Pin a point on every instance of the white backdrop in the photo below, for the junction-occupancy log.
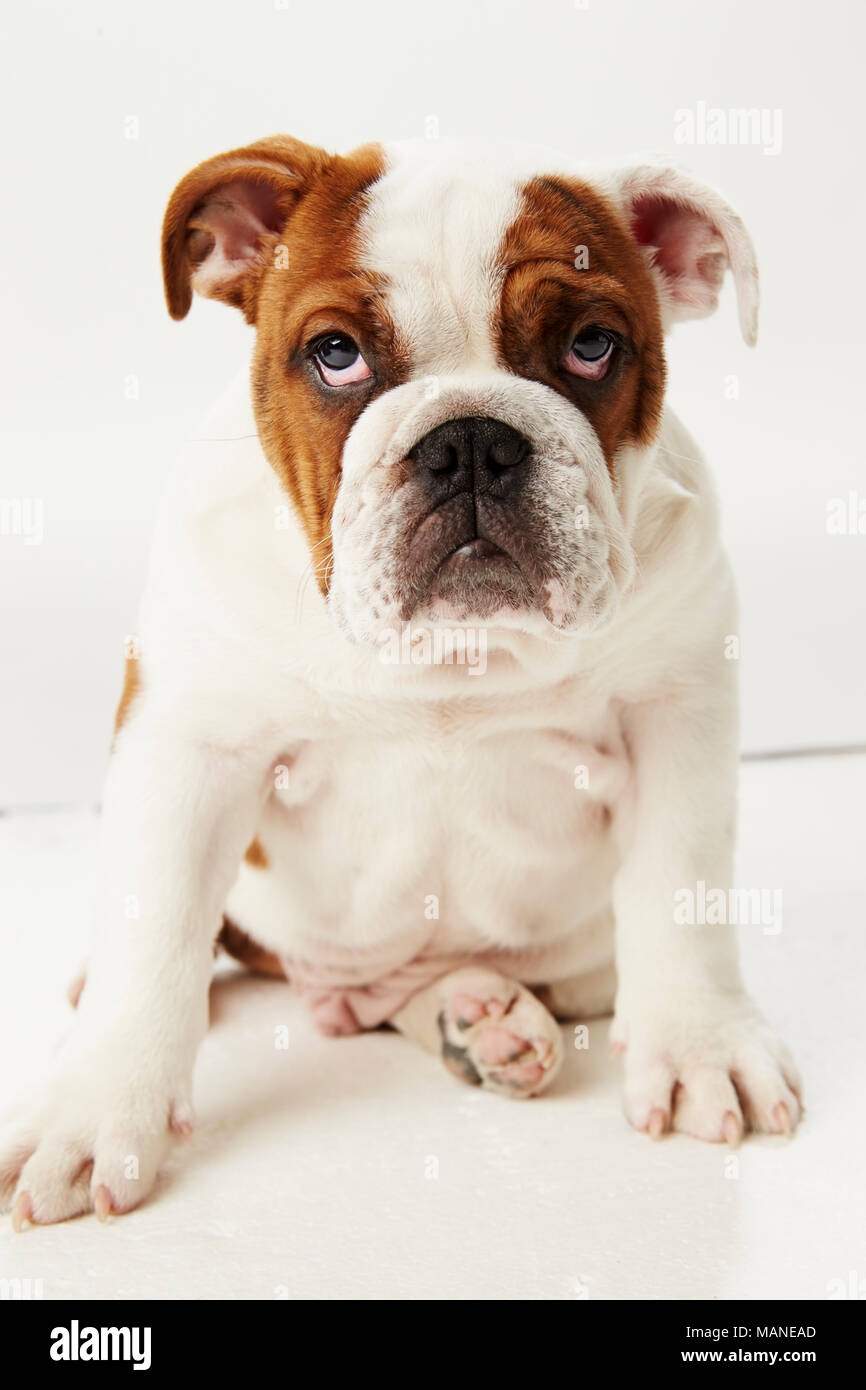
(108, 102)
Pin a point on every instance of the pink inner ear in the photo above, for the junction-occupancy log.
(689, 250)
(226, 233)
(690, 236)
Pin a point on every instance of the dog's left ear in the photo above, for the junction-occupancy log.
(690, 237)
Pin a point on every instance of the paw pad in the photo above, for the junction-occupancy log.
(500, 1036)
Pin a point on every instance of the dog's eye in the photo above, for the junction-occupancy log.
(339, 360)
(590, 355)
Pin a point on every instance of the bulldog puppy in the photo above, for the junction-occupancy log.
(430, 709)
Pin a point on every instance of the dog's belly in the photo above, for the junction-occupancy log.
(378, 853)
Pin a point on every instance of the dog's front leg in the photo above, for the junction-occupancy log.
(176, 818)
(698, 1055)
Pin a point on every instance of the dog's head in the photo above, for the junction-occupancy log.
(454, 353)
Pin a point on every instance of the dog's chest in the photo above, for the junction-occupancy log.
(439, 825)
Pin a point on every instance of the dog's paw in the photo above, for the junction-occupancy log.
(712, 1068)
(86, 1141)
(496, 1034)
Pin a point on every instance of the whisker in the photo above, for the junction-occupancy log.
(232, 439)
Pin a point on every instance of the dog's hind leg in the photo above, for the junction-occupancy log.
(582, 996)
(489, 1030)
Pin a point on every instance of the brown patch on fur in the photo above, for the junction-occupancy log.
(303, 424)
(131, 687)
(236, 943)
(546, 301)
(256, 855)
(315, 285)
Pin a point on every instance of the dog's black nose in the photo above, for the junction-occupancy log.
(472, 454)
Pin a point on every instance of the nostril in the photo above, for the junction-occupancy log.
(447, 461)
(507, 453)
(438, 455)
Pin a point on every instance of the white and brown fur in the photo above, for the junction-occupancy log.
(298, 528)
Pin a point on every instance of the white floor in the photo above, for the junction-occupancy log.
(357, 1168)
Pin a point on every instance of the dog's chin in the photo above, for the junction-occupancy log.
(477, 582)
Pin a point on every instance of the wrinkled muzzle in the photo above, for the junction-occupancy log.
(481, 500)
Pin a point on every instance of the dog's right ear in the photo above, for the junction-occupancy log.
(223, 219)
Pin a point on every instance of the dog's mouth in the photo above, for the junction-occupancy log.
(478, 551)
(465, 556)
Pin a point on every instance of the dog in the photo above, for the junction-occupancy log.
(431, 710)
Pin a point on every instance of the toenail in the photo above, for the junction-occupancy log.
(22, 1212)
(656, 1124)
(180, 1123)
(102, 1202)
(782, 1118)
